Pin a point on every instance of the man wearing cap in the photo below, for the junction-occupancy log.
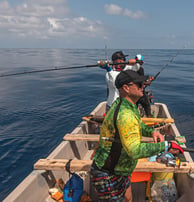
(120, 144)
(117, 57)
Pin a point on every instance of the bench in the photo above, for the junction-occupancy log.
(99, 119)
(84, 165)
(95, 138)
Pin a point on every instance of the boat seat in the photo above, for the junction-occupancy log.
(98, 119)
(95, 138)
(84, 165)
(81, 137)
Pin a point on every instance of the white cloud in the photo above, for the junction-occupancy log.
(54, 24)
(113, 9)
(4, 5)
(43, 8)
(75, 27)
(134, 15)
(45, 19)
(5, 8)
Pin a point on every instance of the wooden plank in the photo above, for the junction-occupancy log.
(84, 165)
(157, 120)
(145, 120)
(81, 137)
(180, 139)
(88, 120)
(95, 138)
(59, 164)
(185, 167)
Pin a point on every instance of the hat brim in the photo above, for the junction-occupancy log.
(128, 76)
(141, 79)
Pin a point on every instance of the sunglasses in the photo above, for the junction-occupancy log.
(120, 58)
(139, 84)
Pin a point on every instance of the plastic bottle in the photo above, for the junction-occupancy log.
(173, 190)
(165, 192)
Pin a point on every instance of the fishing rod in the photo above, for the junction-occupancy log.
(168, 62)
(53, 69)
(46, 70)
(106, 49)
(186, 149)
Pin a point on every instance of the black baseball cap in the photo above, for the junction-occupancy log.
(118, 55)
(125, 77)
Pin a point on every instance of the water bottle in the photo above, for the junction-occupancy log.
(173, 190)
(165, 192)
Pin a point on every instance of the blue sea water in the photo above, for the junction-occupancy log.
(38, 109)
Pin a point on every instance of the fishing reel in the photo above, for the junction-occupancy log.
(148, 99)
(149, 94)
(168, 159)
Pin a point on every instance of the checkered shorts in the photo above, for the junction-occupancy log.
(109, 187)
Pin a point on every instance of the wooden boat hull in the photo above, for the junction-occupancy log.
(36, 185)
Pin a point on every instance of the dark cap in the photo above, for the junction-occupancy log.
(125, 77)
(118, 55)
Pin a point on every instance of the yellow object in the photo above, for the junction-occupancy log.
(151, 123)
(163, 176)
(178, 162)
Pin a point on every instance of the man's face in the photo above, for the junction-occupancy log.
(135, 89)
(119, 67)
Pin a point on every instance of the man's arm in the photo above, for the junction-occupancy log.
(146, 130)
(130, 135)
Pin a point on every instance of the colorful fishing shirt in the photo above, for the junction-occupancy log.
(131, 129)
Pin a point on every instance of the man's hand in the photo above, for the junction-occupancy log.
(174, 148)
(151, 78)
(156, 135)
(148, 82)
(104, 64)
(132, 61)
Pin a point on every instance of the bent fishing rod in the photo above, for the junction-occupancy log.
(53, 69)
(46, 70)
(168, 63)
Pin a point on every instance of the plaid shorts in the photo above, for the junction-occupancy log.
(109, 187)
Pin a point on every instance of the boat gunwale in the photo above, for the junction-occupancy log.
(35, 174)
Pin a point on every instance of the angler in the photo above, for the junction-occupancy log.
(133, 64)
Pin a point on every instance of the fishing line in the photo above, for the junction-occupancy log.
(169, 62)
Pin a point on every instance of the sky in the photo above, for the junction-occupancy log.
(127, 24)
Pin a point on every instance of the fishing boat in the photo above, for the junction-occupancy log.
(80, 144)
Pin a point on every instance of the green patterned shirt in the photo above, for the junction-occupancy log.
(131, 129)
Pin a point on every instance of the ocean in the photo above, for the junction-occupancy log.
(38, 109)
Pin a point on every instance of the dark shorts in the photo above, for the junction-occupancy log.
(109, 187)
